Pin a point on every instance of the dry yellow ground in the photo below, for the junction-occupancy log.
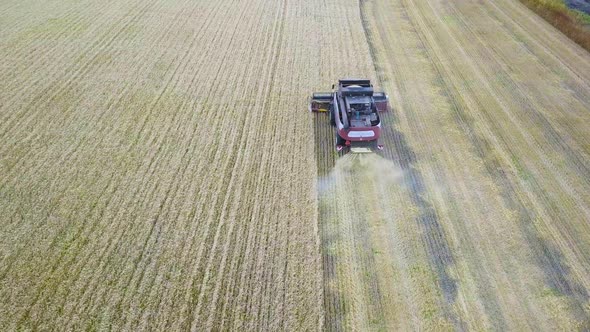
(487, 226)
(156, 161)
(158, 167)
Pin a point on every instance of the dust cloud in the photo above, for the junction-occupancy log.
(361, 204)
(364, 168)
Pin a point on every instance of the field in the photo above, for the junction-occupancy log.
(569, 16)
(149, 176)
(159, 169)
(476, 216)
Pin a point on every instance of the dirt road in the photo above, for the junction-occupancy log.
(489, 226)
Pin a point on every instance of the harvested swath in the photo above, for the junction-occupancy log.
(376, 271)
(490, 131)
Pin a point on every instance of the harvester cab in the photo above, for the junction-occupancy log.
(353, 107)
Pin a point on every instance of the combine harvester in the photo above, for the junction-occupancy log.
(354, 110)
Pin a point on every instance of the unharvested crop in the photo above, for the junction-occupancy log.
(154, 166)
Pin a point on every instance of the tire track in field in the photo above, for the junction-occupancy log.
(269, 231)
(148, 256)
(439, 252)
(235, 176)
(577, 158)
(530, 107)
(194, 134)
(227, 88)
(233, 168)
(455, 81)
(549, 258)
(170, 193)
(532, 26)
(433, 237)
(274, 61)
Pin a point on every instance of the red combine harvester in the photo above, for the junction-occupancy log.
(354, 110)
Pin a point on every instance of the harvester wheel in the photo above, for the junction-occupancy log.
(340, 140)
(332, 117)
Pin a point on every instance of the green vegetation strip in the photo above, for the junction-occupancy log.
(573, 23)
